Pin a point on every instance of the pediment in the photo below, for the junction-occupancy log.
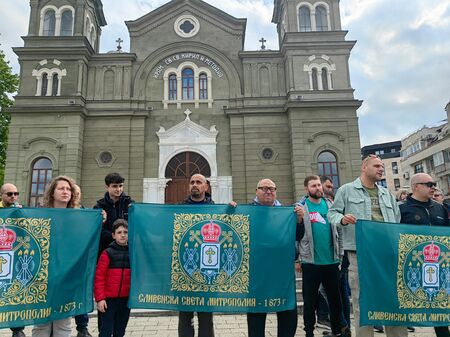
(175, 8)
(187, 132)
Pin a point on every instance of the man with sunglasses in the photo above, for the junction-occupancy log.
(9, 197)
(364, 199)
(421, 209)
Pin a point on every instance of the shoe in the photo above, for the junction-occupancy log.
(19, 333)
(324, 323)
(378, 328)
(83, 333)
(411, 329)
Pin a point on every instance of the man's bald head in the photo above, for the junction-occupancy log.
(8, 194)
(422, 187)
(198, 186)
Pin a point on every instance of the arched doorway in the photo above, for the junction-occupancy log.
(179, 169)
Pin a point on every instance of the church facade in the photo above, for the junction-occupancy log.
(186, 98)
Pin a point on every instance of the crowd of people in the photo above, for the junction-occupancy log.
(325, 242)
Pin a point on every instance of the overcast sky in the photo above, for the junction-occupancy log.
(400, 66)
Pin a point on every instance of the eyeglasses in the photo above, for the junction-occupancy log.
(428, 184)
(10, 194)
(266, 189)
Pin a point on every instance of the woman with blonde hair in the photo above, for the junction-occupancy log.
(60, 193)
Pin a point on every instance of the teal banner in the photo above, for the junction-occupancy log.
(404, 274)
(47, 263)
(212, 257)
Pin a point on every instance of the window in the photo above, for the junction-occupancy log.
(172, 87)
(418, 168)
(49, 23)
(327, 166)
(315, 84)
(324, 79)
(55, 85)
(438, 159)
(44, 84)
(203, 85)
(66, 23)
(378, 152)
(305, 19)
(394, 167)
(321, 19)
(397, 183)
(188, 83)
(40, 177)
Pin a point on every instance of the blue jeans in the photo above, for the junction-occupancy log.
(82, 321)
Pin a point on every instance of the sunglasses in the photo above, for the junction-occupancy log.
(266, 189)
(428, 184)
(371, 156)
(10, 194)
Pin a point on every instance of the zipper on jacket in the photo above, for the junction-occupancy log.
(121, 278)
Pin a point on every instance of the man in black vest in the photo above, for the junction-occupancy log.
(421, 209)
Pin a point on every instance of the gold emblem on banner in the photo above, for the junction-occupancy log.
(211, 253)
(423, 274)
(24, 259)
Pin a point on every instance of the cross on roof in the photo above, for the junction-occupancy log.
(262, 43)
(119, 41)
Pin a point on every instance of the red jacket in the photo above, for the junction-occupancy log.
(113, 274)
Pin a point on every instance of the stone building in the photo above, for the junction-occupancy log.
(186, 98)
(428, 150)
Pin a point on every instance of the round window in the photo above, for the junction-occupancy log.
(106, 157)
(267, 153)
(186, 26)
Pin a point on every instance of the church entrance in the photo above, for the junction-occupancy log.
(179, 169)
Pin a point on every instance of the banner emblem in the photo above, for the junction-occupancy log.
(423, 277)
(210, 254)
(24, 253)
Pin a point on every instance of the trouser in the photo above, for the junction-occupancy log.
(287, 323)
(322, 305)
(82, 321)
(115, 318)
(59, 328)
(313, 275)
(366, 331)
(345, 298)
(186, 324)
(442, 331)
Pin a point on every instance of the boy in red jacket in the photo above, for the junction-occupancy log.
(112, 283)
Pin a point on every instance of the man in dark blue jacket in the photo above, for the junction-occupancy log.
(421, 209)
(198, 195)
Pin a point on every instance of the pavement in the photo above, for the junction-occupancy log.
(142, 325)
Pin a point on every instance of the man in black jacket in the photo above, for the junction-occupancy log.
(198, 195)
(421, 209)
(114, 204)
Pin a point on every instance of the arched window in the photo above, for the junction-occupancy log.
(49, 23)
(66, 23)
(55, 84)
(172, 87)
(187, 77)
(321, 19)
(325, 79)
(203, 85)
(40, 177)
(314, 79)
(44, 84)
(305, 19)
(327, 166)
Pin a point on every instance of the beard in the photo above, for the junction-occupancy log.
(316, 195)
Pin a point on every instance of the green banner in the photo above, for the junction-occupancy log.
(212, 257)
(404, 274)
(47, 263)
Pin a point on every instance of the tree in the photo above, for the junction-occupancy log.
(8, 85)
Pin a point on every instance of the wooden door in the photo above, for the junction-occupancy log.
(180, 169)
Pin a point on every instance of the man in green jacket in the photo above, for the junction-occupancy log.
(364, 199)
